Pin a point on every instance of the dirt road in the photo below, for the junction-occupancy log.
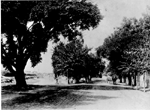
(94, 96)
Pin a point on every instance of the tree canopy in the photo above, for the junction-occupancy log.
(48, 20)
(128, 48)
(74, 61)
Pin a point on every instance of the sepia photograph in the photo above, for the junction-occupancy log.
(75, 55)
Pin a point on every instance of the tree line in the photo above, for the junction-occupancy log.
(128, 49)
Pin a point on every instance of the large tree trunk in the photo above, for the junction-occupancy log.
(77, 80)
(130, 80)
(20, 75)
(120, 78)
(68, 80)
(135, 80)
(90, 78)
(114, 78)
(100, 75)
(124, 79)
(20, 79)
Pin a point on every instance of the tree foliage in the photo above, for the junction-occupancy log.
(128, 48)
(48, 20)
(74, 61)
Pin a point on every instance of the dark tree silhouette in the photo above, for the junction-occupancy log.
(74, 61)
(69, 59)
(48, 19)
(128, 48)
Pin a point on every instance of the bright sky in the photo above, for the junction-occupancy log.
(113, 11)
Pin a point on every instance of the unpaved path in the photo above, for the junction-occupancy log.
(96, 96)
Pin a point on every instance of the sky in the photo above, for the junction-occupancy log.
(113, 11)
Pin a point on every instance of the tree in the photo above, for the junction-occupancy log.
(49, 19)
(128, 48)
(74, 61)
(95, 65)
(68, 59)
(136, 56)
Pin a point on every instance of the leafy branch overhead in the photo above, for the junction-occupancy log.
(27, 26)
(49, 20)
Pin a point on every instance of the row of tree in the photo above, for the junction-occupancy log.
(128, 49)
(75, 61)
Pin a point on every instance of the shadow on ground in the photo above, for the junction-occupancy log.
(142, 89)
(56, 96)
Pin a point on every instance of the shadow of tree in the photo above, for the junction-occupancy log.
(51, 96)
(54, 96)
(142, 89)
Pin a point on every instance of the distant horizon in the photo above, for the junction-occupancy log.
(28, 71)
